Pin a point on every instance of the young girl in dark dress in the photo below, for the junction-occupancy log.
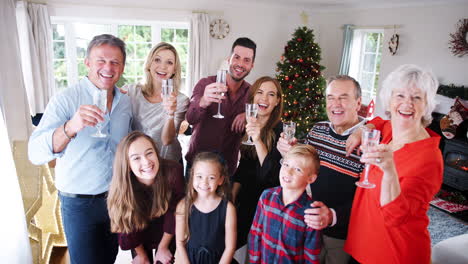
(205, 218)
(143, 195)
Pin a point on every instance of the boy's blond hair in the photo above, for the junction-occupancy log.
(308, 152)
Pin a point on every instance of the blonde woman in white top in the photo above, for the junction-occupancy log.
(159, 117)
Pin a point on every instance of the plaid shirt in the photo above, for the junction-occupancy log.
(279, 234)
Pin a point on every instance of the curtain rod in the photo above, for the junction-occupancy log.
(377, 27)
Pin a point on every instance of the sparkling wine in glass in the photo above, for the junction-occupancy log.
(370, 138)
(289, 130)
(220, 78)
(251, 110)
(167, 88)
(100, 100)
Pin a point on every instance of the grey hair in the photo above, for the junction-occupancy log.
(357, 86)
(407, 76)
(109, 40)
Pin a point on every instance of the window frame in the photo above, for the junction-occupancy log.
(358, 52)
(71, 44)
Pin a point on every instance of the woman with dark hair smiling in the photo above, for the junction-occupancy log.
(259, 164)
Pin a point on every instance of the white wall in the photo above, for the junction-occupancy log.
(424, 37)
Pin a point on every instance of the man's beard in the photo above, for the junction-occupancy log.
(231, 70)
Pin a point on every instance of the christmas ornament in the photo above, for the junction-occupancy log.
(286, 78)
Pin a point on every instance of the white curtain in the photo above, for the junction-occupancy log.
(347, 45)
(14, 241)
(199, 49)
(13, 102)
(35, 35)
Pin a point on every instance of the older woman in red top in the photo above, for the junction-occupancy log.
(389, 222)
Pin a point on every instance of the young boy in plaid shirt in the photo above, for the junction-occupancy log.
(278, 233)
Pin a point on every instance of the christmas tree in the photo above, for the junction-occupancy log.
(300, 76)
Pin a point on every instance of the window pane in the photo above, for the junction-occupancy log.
(82, 69)
(58, 32)
(81, 46)
(142, 50)
(61, 84)
(371, 42)
(130, 49)
(376, 84)
(60, 69)
(131, 68)
(125, 32)
(140, 71)
(181, 35)
(167, 34)
(369, 63)
(143, 33)
(59, 50)
(367, 83)
(86, 32)
(182, 51)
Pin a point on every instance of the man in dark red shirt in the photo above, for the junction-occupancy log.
(222, 135)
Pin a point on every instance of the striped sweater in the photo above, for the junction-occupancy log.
(335, 184)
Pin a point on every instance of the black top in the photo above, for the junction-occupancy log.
(207, 231)
(254, 179)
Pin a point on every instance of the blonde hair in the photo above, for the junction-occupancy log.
(147, 88)
(267, 134)
(128, 212)
(224, 190)
(308, 152)
(407, 76)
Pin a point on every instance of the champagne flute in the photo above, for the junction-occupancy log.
(100, 100)
(167, 88)
(370, 138)
(220, 78)
(289, 129)
(251, 110)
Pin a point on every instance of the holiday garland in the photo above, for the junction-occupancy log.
(458, 44)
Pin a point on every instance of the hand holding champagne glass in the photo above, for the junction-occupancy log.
(370, 138)
(251, 110)
(289, 129)
(100, 100)
(220, 78)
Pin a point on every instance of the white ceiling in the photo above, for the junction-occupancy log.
(217, 4)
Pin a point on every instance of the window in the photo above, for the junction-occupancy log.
(71, 40)
(366, 55)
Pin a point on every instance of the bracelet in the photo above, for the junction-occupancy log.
(65, 131)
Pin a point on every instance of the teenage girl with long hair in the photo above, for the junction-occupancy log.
(206, 219)
(143, 195)
(259, 165)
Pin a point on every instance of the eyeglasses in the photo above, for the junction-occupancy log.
(286, 165)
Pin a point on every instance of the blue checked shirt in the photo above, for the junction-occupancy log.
(85, 165)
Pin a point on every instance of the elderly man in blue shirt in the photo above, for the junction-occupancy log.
(84, 163)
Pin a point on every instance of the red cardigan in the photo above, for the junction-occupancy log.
(397, 232)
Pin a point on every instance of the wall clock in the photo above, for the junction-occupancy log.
(219, 29)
